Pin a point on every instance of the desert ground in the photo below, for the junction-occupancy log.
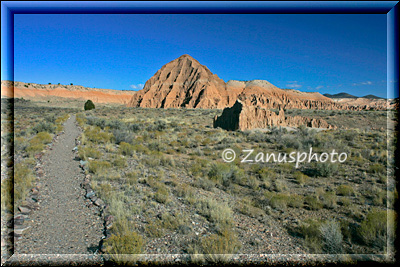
(151, 181)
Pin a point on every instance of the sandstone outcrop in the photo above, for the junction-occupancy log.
(245, 117)
(42, 92)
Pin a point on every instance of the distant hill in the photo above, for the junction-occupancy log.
(346, 95)
(340, 95)
(372, 97)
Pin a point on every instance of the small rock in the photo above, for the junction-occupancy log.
(89, 194)
(19, 231)
(99, 202)
(24, 210)
(34, 191)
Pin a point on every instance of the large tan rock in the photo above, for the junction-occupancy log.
(245, 117)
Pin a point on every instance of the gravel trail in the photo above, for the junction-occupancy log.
(64, 224)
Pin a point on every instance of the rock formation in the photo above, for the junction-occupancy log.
(245, 117)
(43, 92)
(184, 82)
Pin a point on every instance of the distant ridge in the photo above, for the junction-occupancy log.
(340, 95)
(372, 97)
(346, 95)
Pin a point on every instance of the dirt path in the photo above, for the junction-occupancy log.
(63, 224)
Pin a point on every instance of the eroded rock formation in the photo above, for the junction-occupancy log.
(245, 117)
(184, 82)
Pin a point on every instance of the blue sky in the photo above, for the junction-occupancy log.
(324, 53)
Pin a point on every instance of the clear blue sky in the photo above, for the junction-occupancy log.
(324, 53)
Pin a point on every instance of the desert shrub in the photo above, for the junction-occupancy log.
(89, 105)
(295, 201)
(173, 221)
(373, 229)
(204, 183)
(325, 169)
(36, 144)
(377, 168)
(99, 166)
(128, 242)
(265, 173)
(225, 243)
(301, 178)
(154, 228)
(120, 162)
(332, 237)
(116, 124)
(126, 149)
(329, 200)
(162, 194)
(95, 135)
(131, 177)
(23, 181)
(219, 213)
(43, 137)
(345, 190)
(247, 209)
(44, 126)
(279, 201)
(313, 203)
(122, 136)
(219, 172)
(135, 127)
(310, 230)
(88, 152)
(80, 119)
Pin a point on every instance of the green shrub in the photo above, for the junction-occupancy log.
(44, 127)
(219, 213)
(325, 169)
(126, 149)
(310, 230)
(345, 190)
(377, 168)
(43, 137)
(99, 166)
(120, 162)
(89, 151)
(301, 178)
(313, 203)
(23, 181)
(279, 201)
(373, 229)
(219, 172)
(154, 229)
(162, 194)
(89, 105)
(226, 243)
(329, 200)
(128, 242)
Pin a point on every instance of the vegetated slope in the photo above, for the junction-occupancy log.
(40, 92)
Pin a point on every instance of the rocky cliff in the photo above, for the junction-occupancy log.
(245, 117)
